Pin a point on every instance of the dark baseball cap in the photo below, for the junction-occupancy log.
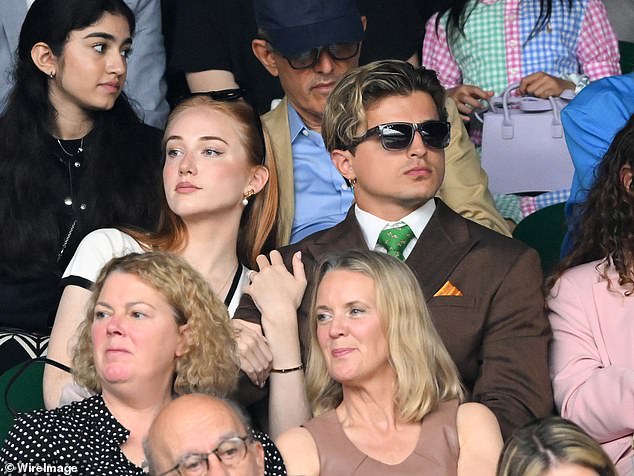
(296, 26)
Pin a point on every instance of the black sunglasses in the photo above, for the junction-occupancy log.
(235, 94)
(338, 51)
(400, 135)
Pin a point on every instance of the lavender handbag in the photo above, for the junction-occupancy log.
(523, 145)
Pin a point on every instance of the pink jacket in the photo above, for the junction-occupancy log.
(592, 358)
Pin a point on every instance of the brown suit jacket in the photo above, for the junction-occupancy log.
(496, 331)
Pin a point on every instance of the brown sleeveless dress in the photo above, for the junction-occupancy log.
(436, 453)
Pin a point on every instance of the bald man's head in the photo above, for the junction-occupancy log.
(195, 425)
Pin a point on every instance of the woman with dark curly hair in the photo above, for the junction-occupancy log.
(74, 156)
(152, 330)
(591, 309)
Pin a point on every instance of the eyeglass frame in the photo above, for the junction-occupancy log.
(204, 457)
(234, 94)
(317, 56)
(415, 127)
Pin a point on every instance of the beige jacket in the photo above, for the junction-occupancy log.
(464, 188)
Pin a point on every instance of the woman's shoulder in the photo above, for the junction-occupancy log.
(479, 437)
(473, 412)
(475, 420)
(586, 273)
(294, 439)
(50, 424)
(74, 433)
(112, 236)
(299, 451)
(96, 249)
(104, 244)
(74, 412)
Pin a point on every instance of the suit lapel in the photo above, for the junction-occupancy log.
(276, 123)
(440, 248)
(343, 236)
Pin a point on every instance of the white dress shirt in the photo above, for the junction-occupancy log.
(372, 226)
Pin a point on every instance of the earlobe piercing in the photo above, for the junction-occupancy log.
(245, 200)
(51, 75)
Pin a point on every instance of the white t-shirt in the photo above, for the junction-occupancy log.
(100, 246)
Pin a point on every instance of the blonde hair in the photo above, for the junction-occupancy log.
(546, 443)
(425, 373)
(257, 233)
(359, 89)
(210, 364)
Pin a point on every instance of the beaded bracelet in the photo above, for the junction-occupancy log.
(285, 371)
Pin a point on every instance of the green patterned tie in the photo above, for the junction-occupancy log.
(395, 240)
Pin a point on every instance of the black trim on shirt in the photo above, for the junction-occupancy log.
(234, 286)
(77, 281)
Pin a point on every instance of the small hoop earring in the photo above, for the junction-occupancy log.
(246, 196)
(51, 75)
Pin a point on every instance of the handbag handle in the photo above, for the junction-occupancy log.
(556, 129)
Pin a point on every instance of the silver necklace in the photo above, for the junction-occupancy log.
(70, 232)
(231, 275)
(79, 149)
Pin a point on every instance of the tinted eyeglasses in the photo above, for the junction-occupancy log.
(236, 94)
(338, 51)
(400, 135)
(229, 452)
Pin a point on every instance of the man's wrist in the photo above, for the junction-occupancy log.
(579, 81)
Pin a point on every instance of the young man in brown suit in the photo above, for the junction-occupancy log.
(385, 128)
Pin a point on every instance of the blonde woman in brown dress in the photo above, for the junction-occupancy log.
(385, 393)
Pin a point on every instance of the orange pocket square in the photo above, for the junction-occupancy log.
(448, 289)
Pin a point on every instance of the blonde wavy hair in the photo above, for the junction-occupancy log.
(425, 373)
(543, 444)
(359, 89)
(210, 365)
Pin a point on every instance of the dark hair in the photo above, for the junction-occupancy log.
(121, 170)
(360, 88)
(458, 15)
(606, 226)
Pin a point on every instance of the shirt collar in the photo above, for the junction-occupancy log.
(371, 225)
(295, 122)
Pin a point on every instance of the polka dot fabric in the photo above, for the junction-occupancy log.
(83, 434)
(273, 462)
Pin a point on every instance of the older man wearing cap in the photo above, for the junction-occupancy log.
(309, 45)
